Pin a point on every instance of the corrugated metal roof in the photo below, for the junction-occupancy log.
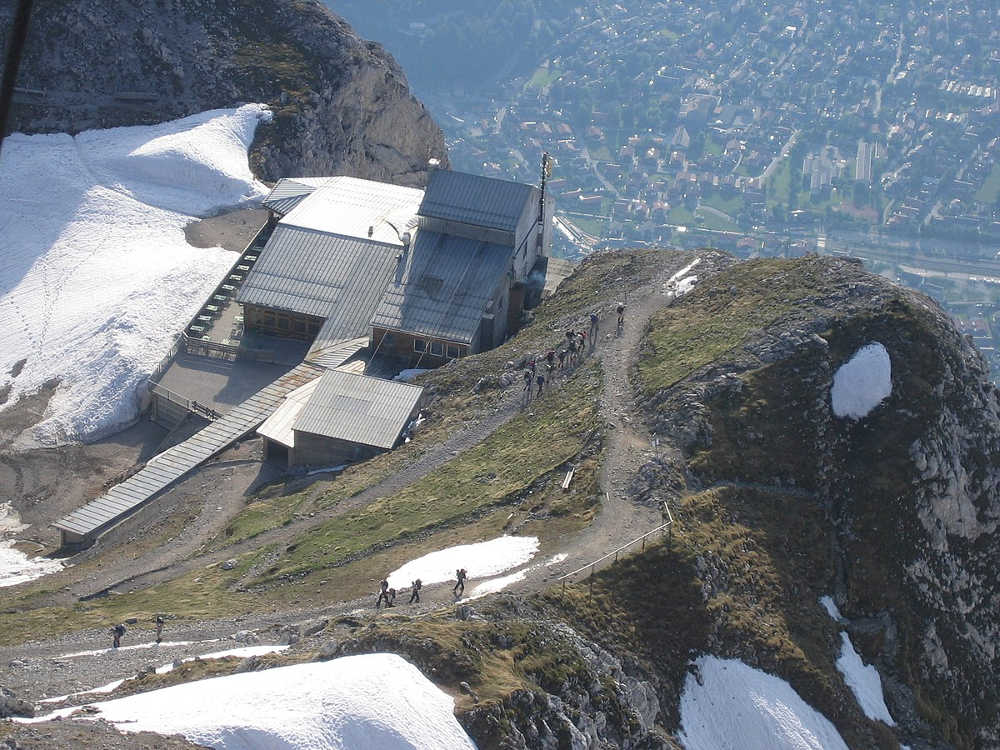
(444, 288)
(359, 409)
(278, 426)
(289, 192)
(474, 199)
(312, 273)
(349, 206)
(332, 352)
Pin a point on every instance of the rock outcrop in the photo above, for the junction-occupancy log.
(902, 504)
(342, 105)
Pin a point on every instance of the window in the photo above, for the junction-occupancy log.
(453, 352)
(419, 345)
(437, 348)
(283, 324)
(300, 326)
(314, 328)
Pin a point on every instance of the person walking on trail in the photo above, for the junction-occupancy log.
(527, 386)
(392, 598)
(594, 321)
(621, 316)
(533, 364)
(415, 591)
(550, 358)
(562, 357)
(582, 343)
(383, 595)
(159, 628)
(540, 379)
(572, 350)
(461, 574)
(116, 635)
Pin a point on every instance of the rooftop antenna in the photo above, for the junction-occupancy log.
(546, 173)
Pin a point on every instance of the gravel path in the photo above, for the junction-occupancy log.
(41, 668)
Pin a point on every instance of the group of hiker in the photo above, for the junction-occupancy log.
(387, 594)
(118, 631)
(568, 354)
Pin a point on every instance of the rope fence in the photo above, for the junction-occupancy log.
(591, 566)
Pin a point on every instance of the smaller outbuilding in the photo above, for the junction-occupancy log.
(339, 418)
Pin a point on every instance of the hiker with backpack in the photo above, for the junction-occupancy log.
(415, 591)
(621, 315)
(159, 628)
(594, 321)
(383, 595)
(461, 574)
(116, 634)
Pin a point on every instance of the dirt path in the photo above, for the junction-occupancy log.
(619, 520)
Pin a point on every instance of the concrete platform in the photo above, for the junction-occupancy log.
(218, 384)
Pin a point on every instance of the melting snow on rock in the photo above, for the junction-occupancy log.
(830, 606)
(97, 277)
(862, 383)
(372, 702)
(16, 567)
(734, 706)
(864, 681)
(480, 560)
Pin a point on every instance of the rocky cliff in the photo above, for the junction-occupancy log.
(341, 104)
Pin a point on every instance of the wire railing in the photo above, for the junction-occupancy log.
(592, 566)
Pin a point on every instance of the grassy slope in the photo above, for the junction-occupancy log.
(360, 547)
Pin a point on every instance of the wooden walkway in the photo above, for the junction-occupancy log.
(82, 526)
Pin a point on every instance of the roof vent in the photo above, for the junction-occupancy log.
(371, 230)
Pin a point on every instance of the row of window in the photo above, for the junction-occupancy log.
(436, 348)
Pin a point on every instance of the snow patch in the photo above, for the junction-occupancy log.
(16, 567)
(556, 559)
(480, 560)
(410, 373)
(370, 701)
(830, 606)
(150, 644)
(732, 706)
(10, 521)
(677, 285)
(97, 277)
(862, 383)
(864, 681)
(496, 584)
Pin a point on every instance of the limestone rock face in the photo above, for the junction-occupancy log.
(342, 105)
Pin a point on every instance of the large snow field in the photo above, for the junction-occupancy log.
(863, 382)
(16, 567)
(734, 707)
(864, 681)
(369, 702)
(480, 560)
(96, 277)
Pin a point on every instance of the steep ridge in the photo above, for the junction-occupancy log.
(779, 501)
(341, 104)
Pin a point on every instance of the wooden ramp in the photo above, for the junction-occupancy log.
(84, 525)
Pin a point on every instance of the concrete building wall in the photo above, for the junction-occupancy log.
(469, 231)
(402, 346)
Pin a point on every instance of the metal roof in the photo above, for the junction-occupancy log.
(350, 206)
(167, 467)
(289, 192)
(444, 288)
(329, 350)
(327, 276)
(359, 409)
(278, 426)
(474, 199)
